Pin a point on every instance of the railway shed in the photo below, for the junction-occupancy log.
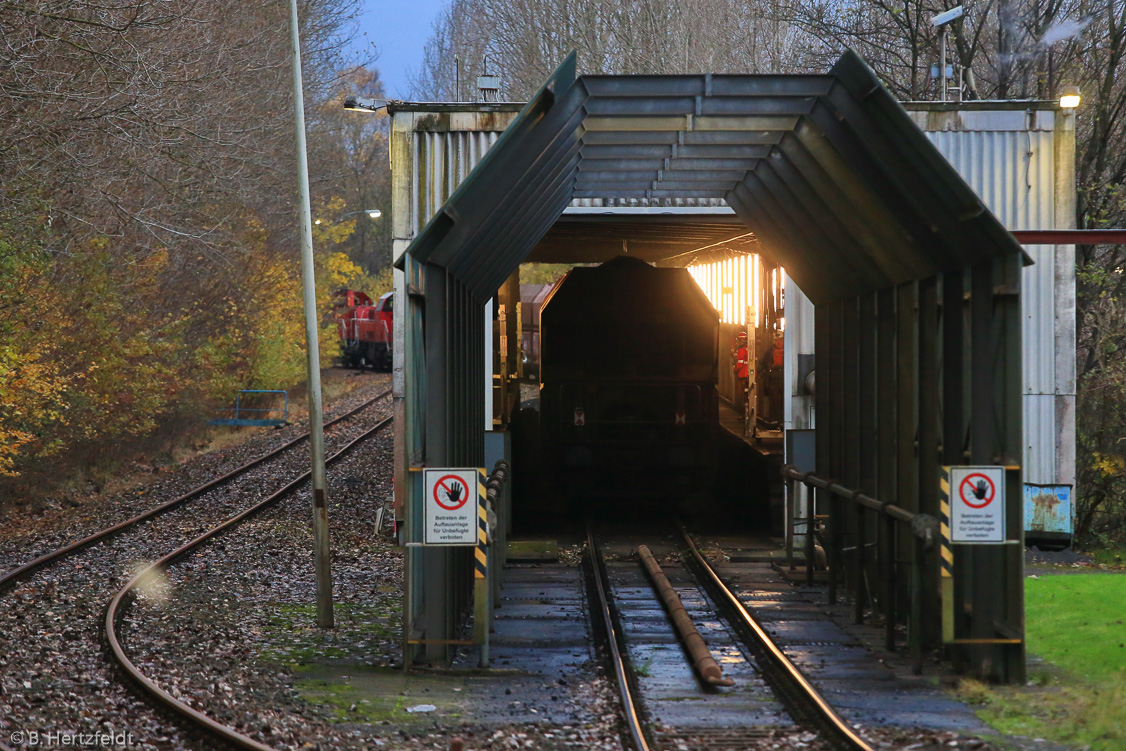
(916, 287)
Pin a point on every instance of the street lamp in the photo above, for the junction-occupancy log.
(373, 213)
(941, 21)
(322, 555)
(364, 105)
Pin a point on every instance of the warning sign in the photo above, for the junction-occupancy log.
(452, 498)
(977, 504)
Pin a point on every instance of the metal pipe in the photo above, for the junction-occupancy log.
(322, 556)
(702, 660)
(888, 509)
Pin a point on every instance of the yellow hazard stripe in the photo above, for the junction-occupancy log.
(946, 553)
(481, 563)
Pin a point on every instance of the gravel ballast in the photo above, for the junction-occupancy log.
(54, 677)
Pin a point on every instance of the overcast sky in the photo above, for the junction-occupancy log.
(399, 30)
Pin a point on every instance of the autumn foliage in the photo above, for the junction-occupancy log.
(148, 243)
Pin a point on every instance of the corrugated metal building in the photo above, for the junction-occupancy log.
(1019, 157)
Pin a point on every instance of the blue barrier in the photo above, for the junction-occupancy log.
(240, 410)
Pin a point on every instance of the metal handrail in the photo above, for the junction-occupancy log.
(924, 527)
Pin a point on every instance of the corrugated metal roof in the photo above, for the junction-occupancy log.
(828, 170)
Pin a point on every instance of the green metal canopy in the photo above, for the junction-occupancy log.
(828, 171)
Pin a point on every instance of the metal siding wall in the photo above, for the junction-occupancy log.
(440, 162)
(427, 168)
(1015, 173)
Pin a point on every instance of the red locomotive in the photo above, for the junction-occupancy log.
(365, 329)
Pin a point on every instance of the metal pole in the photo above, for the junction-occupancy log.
(791, 500)
(942, 61)
(322, 555)
(810, 521)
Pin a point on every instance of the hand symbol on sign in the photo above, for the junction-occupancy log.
(454, 492)
(980, 489)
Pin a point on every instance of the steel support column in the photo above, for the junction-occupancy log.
(887, 384)
(849, 470)
(930, 404)
(907, 404)
(435, 561)
(867, 447)
(834, 416)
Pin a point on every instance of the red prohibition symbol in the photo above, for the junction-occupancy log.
(450, 492)
(977, 490)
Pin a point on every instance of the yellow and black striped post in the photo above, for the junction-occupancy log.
(946, 556)
(481, 598)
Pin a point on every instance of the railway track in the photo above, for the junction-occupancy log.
(124, 597)
(25, 570)
(652, 730)
(56, 616)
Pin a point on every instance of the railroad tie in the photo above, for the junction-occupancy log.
(702, 660)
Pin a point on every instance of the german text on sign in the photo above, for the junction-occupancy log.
(451, 506)
(977, 504)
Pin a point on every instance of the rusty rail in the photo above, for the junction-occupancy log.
(925, 529)
(22, 572)
(796, 691)
(125, 597)
(601, 585)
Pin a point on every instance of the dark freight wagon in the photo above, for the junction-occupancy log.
(628, 404)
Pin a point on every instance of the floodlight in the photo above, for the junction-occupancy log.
(944, 18)
(364, 105)
(1069, 97)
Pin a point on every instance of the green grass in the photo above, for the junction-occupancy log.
(296, 640)
(1077, 624)
(376, 695)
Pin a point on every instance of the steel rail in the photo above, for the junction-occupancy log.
(22, 572)
(841, 734)
(633, 720)
(124, 596)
